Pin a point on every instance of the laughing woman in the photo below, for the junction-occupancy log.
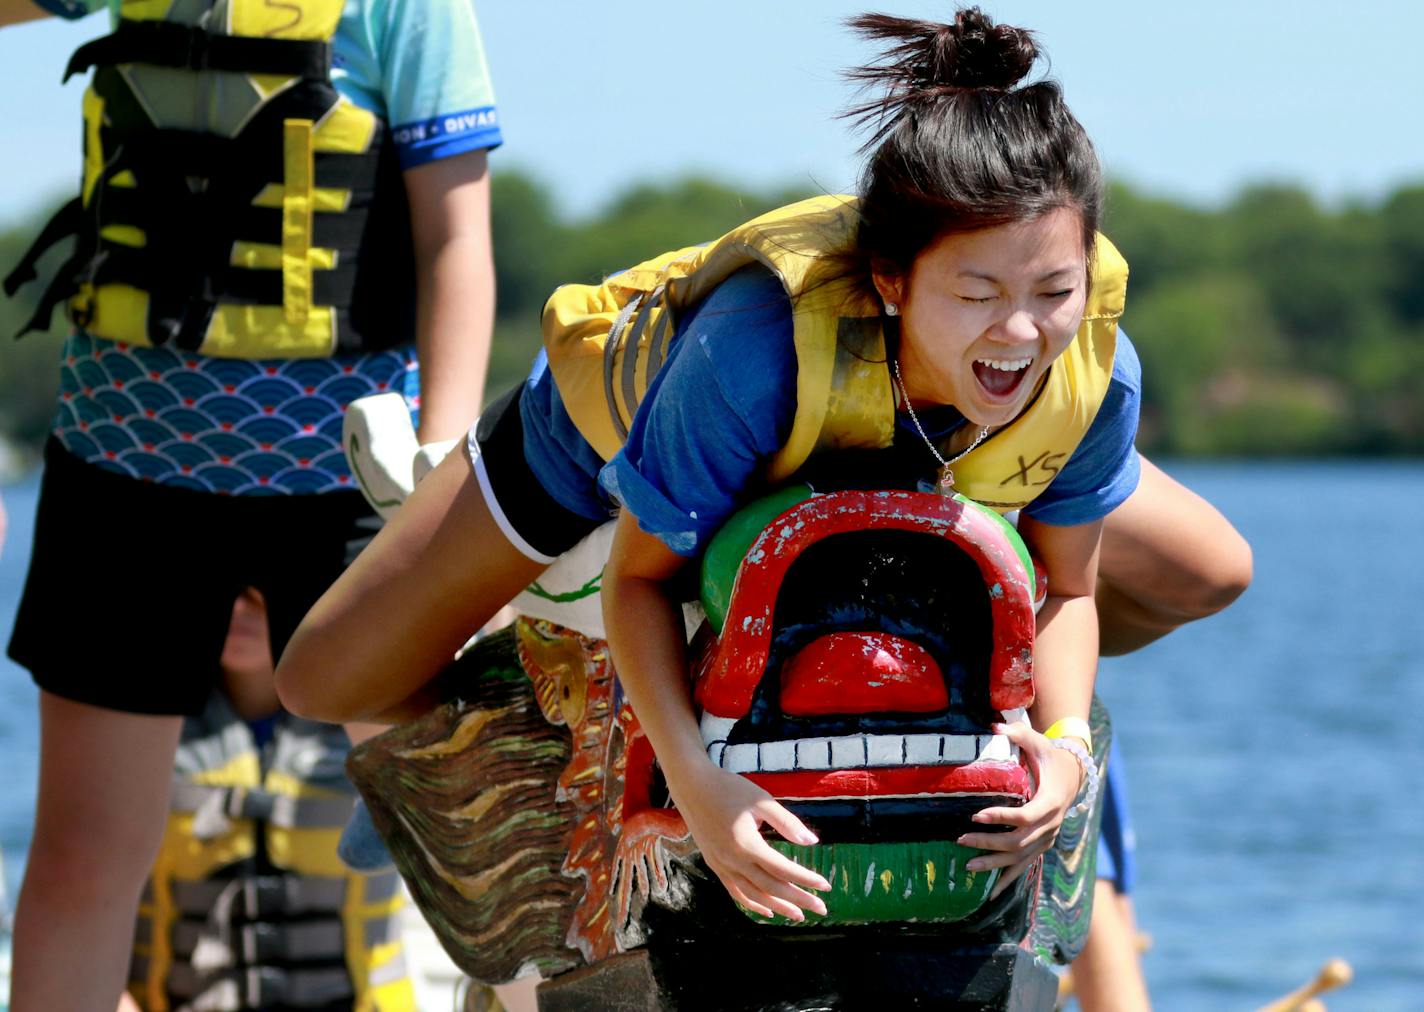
(955, 324)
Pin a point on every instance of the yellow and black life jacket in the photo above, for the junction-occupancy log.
(233, 202)
(606, 342)
(248, 906)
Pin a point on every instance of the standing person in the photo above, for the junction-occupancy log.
(284, 207)
(247, 905)
(957, 320)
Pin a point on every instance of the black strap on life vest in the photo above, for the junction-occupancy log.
(257, 943)
(168, 44)
(65, 223)
(261, 897)
(258, 987)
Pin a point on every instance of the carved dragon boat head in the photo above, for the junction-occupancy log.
(857, 649)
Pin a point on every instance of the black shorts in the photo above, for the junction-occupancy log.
(535, 522)
(132, 583)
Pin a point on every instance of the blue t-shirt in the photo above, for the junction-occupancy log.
(240, 426)
(720, 407)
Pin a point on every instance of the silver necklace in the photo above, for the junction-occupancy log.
(946, 473)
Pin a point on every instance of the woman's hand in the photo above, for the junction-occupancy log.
(1034, 825)
(725, 812)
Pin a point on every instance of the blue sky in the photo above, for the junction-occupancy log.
(1188, 100)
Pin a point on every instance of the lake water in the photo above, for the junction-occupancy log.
(1272, 750)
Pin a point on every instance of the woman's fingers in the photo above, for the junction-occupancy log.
(766, 880)
(1003, 858)
(726, 815)
(775, 863)
(779, 818)
(761, 901)
(1011, 875)
(1009, 843)
(1035, 824)
(778, 865)
(770, 885)
(740, 897)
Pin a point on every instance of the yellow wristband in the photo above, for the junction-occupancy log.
(1071, 727)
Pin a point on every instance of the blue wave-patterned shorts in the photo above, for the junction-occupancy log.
(229, 426)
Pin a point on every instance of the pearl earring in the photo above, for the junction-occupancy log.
(891, 309)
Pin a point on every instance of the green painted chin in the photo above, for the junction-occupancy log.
(874, 883)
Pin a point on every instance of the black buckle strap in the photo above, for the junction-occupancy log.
(76, 272)
(167, 44)
(66, 222)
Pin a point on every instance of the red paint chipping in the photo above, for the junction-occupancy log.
(729, 670)
(862, 672)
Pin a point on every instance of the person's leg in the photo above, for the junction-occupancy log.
(103, 803)
(117, 659)
(434, 574)
(1107, 975)
(1168, 558)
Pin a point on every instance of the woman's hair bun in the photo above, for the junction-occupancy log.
(960, 140)
(972, 52)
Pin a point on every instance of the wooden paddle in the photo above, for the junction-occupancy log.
(1335, 973)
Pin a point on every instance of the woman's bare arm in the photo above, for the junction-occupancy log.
(723, 810)
(450, 224)
(1065, 667)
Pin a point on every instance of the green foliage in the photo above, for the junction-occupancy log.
(1273, 325)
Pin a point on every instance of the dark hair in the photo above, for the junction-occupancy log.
(957, 144)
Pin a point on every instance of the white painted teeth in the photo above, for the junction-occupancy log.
(716, 728)
(856, 751)
(1005, 365)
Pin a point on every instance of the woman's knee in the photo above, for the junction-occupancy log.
(1227, 578)
(297, 690)
(1214, 579)
(1172, 553)
(1178, 593)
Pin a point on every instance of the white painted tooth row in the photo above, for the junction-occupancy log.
(720, 728)
(858, 751)
(716, 728)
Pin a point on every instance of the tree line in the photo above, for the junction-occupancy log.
(1272, 325)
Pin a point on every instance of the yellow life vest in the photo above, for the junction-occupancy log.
(248, 905)
(232, 199)
(606, 342)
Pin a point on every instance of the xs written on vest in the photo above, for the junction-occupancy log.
(233, 202)
(248, 906)
(606, 342)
